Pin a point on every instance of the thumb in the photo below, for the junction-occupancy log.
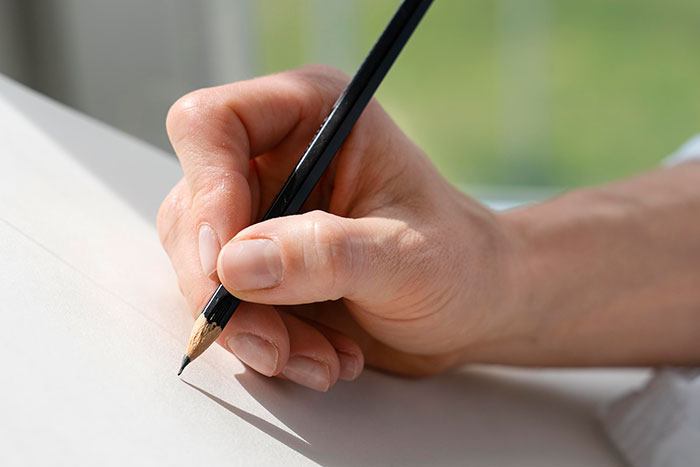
(313, 257)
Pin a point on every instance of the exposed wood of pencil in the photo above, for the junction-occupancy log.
(203, 335)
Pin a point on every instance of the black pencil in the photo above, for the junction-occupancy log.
(316, 158)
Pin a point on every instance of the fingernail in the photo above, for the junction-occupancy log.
(209, 247)
(259, 354)
(252, 264)
(349, 366)
(308, 372)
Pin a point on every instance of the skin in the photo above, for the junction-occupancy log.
(392, 267)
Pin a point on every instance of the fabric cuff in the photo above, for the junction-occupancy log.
(690, 151)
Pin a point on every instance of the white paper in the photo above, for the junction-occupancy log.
(93, 329)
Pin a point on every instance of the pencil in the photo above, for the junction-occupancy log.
(324, 145)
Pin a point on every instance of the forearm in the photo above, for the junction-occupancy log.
(611, 275)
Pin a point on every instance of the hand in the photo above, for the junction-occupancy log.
(389, 264)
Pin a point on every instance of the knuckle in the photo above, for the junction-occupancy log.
(186, 107)
(193, 112)
(325, 72)
(330, 256)
(322, 81)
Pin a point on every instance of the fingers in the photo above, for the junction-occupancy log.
(315, 257)
(211, 143)
(313, 361)
(216, 131)
(258, 336)
(276, 343)
(350, 356)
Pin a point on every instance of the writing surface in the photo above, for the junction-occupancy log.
(93, 327)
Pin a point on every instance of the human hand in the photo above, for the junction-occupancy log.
(389, 265)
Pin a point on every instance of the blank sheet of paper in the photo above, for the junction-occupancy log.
(93, 329)
(94, 324)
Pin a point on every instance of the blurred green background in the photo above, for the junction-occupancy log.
(543, 93)
(526, 92)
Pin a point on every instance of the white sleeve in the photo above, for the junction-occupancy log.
(659, 425)
(690, 151)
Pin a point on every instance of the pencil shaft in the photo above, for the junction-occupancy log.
(220, 307)
(347, 109)
(332, 133)
(325, 144)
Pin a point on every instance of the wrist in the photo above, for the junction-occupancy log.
(528, 291)
(605, 276)
(505, 286)
(568, 266)
(606, 273)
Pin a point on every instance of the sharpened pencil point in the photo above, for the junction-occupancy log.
(185, 362)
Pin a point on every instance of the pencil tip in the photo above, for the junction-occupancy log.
(185, 362)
